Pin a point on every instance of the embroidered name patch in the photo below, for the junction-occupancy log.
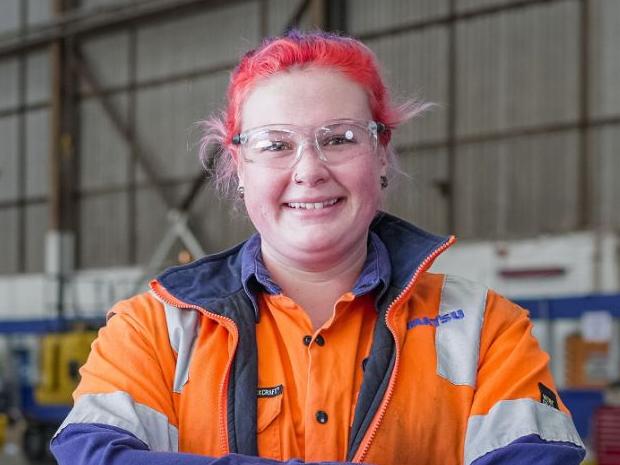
(438, 320)
(548, 397)
(269, 391)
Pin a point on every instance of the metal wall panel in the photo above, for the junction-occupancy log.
(518, 69)
(39, 11)
(9, 233)
(195, 42)
(371, 15)
(104, 155)
(165, 118)
(108, 56)
(605, 144)
(9, 171)
(416, 196)
(39, 76)
(218, 224)
(37, 153)
(37, 220)
(104, 230)
(9, 19)
(415, 65)
(8, 83)
(279, 13)
(605, 59)
(518, 187)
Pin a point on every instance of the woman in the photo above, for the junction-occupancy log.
(321, 338)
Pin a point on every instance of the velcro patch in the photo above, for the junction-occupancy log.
(548, 397)
(270, 391)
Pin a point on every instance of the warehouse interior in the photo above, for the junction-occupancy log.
(101, 187)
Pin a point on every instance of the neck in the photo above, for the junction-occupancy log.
(315, 286)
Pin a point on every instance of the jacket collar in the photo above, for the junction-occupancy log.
(209, 281)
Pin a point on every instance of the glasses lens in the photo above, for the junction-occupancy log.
(343, 141)
(271, 147)
(337, 142)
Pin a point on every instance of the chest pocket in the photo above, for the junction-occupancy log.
(268, 427)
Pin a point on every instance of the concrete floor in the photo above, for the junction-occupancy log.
(11, 452)
(14, 458)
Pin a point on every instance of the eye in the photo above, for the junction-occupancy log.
(340, 138)
(272, 146)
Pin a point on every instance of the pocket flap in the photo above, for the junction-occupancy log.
(268, 409)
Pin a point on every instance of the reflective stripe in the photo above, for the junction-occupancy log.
(509, 420)
(182, 331)
(119, 409)
(457, 341)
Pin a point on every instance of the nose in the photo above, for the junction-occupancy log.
(310, 168)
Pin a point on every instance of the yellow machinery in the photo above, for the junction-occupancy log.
(3, 424)
(62, 355)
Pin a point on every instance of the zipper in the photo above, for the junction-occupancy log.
(374, 427)
(162, 294)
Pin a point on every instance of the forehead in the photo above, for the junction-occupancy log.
(304, 97)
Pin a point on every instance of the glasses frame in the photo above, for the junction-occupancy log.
(374, 127)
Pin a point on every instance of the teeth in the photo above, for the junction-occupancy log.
(312, 205)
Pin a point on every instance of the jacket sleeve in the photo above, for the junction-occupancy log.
(107, 445)
(124, 409)
(516, 416)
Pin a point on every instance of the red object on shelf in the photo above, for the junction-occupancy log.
(607, 435)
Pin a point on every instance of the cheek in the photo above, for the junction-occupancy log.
(263, 191)
(366, 182)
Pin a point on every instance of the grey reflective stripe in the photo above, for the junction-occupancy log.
(119, 409)
(457, 337)
(182, 331)
(509, 420)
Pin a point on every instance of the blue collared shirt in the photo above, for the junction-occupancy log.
(375, 275)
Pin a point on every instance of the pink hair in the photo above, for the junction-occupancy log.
(298, 49)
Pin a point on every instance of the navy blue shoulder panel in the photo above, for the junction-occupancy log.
(208, 280)
(408, 246)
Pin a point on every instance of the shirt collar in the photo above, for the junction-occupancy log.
(375, 274)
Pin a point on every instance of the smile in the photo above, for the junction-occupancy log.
(312, 205)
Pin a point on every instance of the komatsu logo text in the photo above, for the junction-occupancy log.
(438, 320)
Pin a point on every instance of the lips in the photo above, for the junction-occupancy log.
(312, 205)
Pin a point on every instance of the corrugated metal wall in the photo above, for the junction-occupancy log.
(501, 155)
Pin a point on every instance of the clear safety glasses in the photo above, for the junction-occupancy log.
(281, 145)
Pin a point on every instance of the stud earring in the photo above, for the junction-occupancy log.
(384, 181)
(241, 192)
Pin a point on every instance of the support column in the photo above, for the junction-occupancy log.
(60, 239)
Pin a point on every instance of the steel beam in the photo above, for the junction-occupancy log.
(22, 79)
(336, 15)
(60, 249)
(452, 17)
(100, 20)
(84, 69)
(585, 185)
(512, 134)
(302, 8)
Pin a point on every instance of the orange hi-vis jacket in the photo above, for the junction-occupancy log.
(454, 375)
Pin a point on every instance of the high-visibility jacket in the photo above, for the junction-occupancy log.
(454, 375)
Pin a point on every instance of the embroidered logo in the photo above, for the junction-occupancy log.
(438, 320)
(548, 397)
(269, 391)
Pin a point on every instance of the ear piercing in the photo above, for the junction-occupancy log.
(384, 181)
(241, 192)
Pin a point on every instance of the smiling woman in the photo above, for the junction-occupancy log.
(322, 338)
(328, 242)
